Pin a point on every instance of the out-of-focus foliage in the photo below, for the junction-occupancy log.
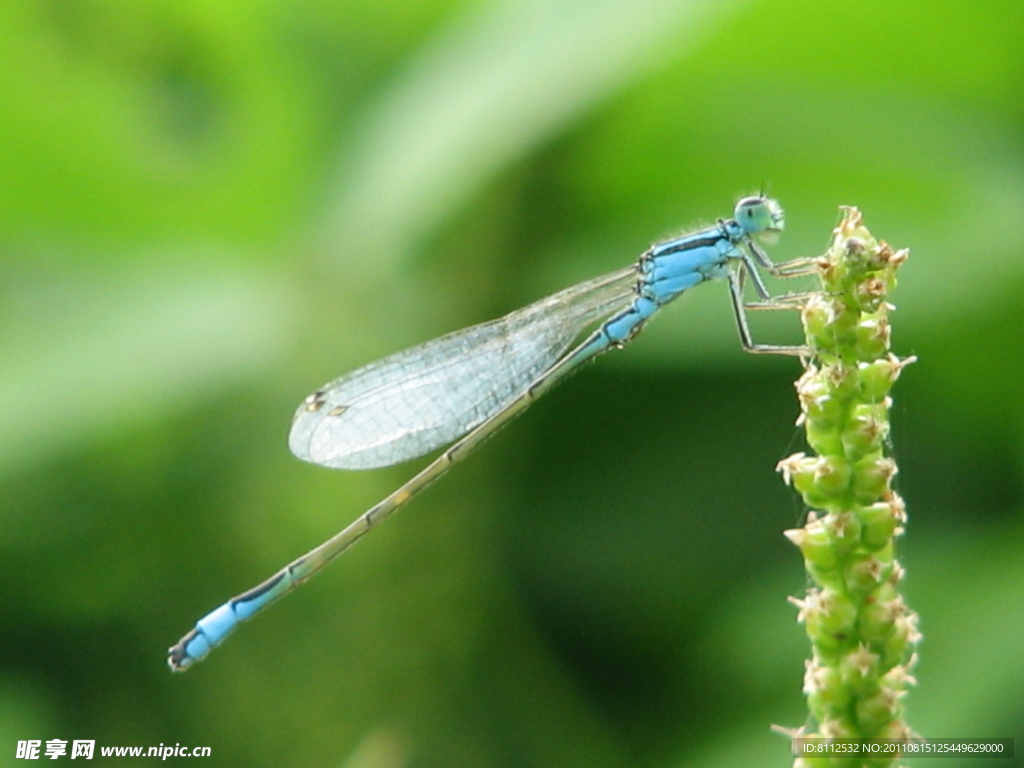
(207, 209)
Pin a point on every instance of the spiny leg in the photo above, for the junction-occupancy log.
(784, 301)
(799, 267)
(736, 281)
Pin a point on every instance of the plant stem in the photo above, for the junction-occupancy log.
(863, 635)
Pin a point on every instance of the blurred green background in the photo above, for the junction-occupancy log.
(208, 209)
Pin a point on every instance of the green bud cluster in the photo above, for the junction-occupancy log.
(862, 633)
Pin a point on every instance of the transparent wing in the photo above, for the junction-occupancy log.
(414, 401)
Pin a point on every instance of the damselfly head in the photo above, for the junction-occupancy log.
(759, 215)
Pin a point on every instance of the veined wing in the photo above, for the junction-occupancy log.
(414, 401)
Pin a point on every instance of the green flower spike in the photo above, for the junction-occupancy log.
(862, 633)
